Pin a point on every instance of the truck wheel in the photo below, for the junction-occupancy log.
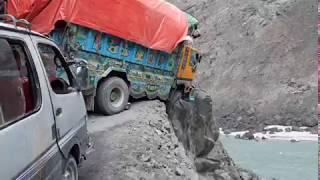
(112, 96)
(70, 171)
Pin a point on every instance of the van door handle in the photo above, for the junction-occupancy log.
(58, 111)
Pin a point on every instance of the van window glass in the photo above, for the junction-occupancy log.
(55, 66)
(18, 93)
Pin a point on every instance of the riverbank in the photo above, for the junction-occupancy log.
(276, 132)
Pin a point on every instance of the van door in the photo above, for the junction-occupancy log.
(28, 148)
(68, 104)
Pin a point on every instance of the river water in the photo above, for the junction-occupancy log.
(281, 160)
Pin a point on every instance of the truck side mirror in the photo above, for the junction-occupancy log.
(77, 62)
(71, 62)
(80, 70)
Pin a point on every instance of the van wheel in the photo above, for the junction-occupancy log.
(71, 169)
(112, 96)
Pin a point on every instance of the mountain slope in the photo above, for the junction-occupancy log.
(259, 60)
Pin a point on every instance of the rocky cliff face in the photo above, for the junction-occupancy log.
(259, 61)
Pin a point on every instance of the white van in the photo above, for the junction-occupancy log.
(43, 132)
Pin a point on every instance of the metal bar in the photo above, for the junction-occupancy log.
(5, 6)
(7, 18)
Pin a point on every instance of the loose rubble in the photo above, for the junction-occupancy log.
(144, 147)
(141, 144)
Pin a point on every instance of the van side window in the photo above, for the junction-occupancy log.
(18, 90)
(58, 74)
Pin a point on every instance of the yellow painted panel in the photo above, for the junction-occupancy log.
(186, 71)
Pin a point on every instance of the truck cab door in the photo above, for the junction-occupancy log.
(186, 69)
(67, 101)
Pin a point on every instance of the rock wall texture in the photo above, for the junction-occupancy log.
(196, 129)
(259, 61)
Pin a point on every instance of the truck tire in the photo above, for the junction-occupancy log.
(70, 171)
(112, 96)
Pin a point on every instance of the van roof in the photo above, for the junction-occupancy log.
(11, 27)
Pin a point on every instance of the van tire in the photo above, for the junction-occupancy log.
(70, 171)
(112, 96)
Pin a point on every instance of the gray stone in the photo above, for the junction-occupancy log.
(287, 129)
(146, 158)
(248, 136)
(293, 140)
(295, 128)
(206, 165)
(273, 130)
(158, 132)
(179, 172)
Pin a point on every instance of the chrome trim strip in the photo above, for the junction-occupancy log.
(39, 164)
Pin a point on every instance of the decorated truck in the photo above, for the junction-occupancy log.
(151, 57)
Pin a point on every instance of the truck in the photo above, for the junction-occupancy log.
(118, 67)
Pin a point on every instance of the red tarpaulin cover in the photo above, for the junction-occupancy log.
(156, 24)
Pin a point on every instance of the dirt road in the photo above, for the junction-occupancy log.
(136, 144)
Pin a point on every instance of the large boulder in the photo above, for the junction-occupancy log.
(193, 123)
(196, 129)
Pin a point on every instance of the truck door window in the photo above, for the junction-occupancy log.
(57, 71)
(19, 94)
